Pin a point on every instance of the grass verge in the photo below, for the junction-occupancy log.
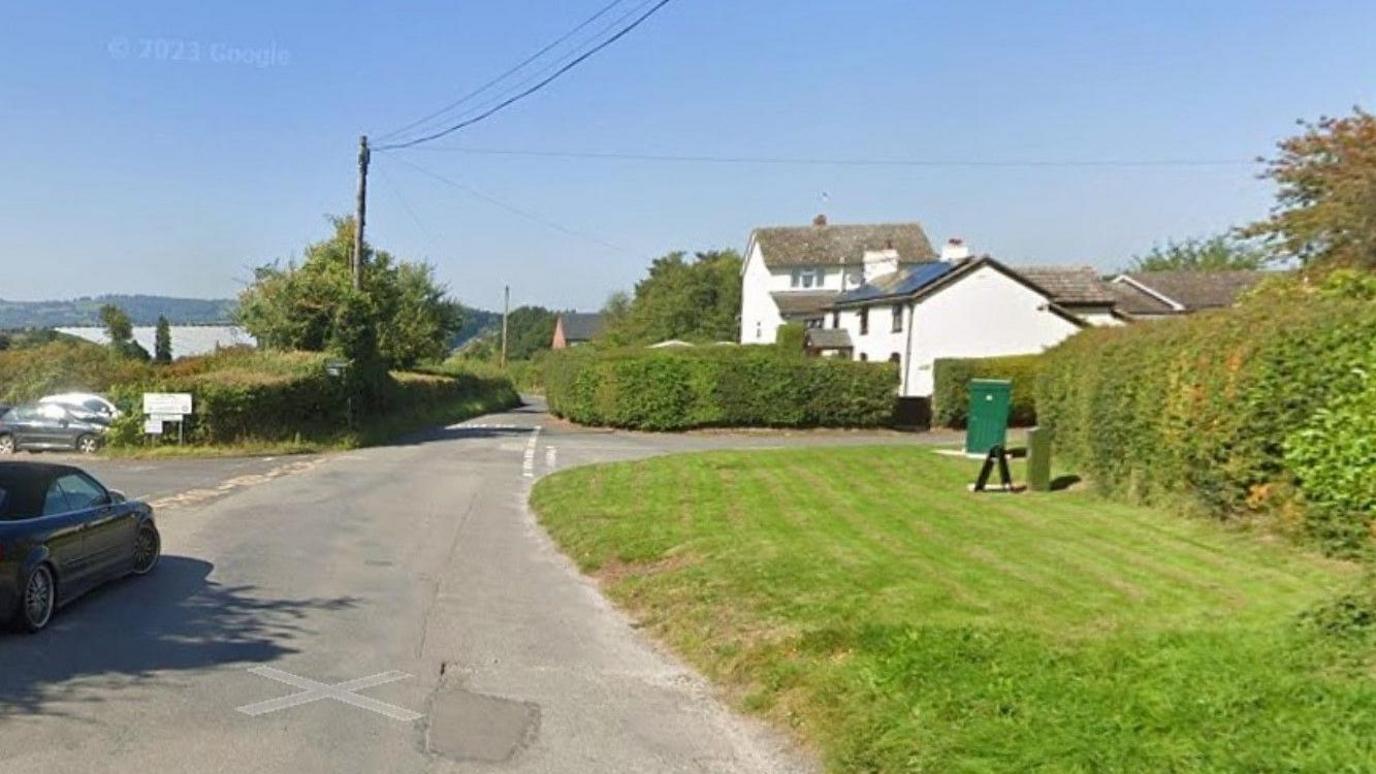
(898, 623)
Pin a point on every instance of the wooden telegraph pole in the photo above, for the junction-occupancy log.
(361, 212)
(506, 310)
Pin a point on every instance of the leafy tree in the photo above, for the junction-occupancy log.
(162, 341)
(121, 332)
(1325, 210)
(696, 299)
(1219, 253)
(313, 306)
(530, 329)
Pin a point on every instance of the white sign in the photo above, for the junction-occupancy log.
(152, 426)
(165, 417)
(167, 403)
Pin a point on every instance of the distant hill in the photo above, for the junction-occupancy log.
(142, 310)
(475, 323)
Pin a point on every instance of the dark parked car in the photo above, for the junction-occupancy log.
(48, 426)
(61, 534)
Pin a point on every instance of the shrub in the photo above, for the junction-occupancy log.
(716, 387)
(1333, 458)
(1201, 408)
(951, 396)
(29, 373)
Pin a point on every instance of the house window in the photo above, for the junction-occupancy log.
(897, 318)
(759, 332)
(894, 358)
(836, 319)
(864, 358)
(864, 321)
(807, 278)
(814, 322)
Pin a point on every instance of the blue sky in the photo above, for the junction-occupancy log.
(126, 171)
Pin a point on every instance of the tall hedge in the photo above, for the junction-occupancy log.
(717, 387)
(1205, 408)
(951, 385)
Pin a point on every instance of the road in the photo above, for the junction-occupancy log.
(404, 597)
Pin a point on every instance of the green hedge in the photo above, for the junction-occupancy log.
(1206, 407)
(950, 392)
(243, 396)
(717, 387)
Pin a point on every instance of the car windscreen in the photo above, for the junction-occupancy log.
(21, 497)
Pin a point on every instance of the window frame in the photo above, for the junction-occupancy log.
(102, 499)
(897, 318)
(864, 320)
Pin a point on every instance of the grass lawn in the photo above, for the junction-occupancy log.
(898, 623)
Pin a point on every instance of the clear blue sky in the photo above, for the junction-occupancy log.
(127, 174)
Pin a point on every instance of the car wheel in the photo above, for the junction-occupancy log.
(147, 549)
(7, 444)
(39, 599)
(88, 444)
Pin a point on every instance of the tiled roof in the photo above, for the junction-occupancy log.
(1069, 285)
(1133, 301)
(841, 244)
(801, 302)
(581, 326)
(1200, 289)
(828, 338)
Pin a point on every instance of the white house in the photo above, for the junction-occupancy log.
(794, 273)
(960, 306)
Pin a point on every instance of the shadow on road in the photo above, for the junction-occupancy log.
(174, 619)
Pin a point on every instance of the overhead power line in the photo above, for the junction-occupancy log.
(507, 74)
(528, 215)
(853, 162)
(532, 89)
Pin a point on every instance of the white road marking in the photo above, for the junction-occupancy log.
(528, 462)
(313, 691)
(551, 457)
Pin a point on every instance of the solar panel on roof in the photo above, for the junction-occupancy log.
(905, 283)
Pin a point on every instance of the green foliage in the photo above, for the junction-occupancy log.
(1201, 408)
(162, 342)
(696, 300)
(302, 307)
(716, 387)
(1327, 179)
(1219, 253)
(1333, 458)
(117, 325)
(951, 387)
(530, 329)
(790, 339)
(28, 373)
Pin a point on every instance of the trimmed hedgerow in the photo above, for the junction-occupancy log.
(716, 387)
(1204, 408)
(951, 387)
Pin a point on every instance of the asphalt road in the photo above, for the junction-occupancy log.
(401, 612)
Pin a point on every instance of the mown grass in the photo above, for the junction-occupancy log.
(899, 623)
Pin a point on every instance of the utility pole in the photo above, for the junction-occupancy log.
(361, 212)
(506, 310)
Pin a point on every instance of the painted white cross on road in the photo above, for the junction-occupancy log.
(313, 691)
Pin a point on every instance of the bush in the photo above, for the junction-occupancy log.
(951, 389)
(29, 373)
(1204, 408)
(1333, 458)
(716, 387)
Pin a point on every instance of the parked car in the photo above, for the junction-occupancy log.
(62, 533)
(85, 406)
(48, 427)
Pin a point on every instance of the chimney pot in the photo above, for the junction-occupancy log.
(955, 250)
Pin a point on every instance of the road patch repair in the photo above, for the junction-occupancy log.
(202, 495)
(468, 726)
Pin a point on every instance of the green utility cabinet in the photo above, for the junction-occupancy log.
(990, 402)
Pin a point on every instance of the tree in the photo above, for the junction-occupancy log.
(121, 332)
(313, 306)
(1325, 213)
(162, 341)
(694, 300)
(530, 329)
(1219, 253)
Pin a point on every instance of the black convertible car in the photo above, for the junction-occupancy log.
(61, 534)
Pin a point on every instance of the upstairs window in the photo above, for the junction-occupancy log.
(864, 320)
(808, 278)
(835, 319)
(897, 318)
